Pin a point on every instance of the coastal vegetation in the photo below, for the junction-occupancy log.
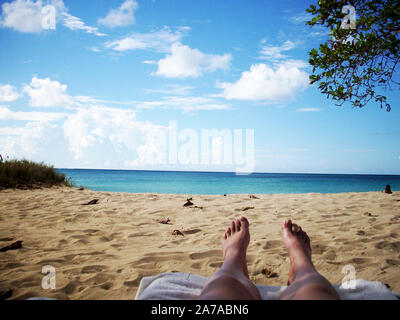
(24, 174)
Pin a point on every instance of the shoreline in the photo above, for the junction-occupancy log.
(56, 187)
(102, 251)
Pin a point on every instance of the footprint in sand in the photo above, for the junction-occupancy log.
(93, 269)
(133, 283)
(393, 262)
(358, 261)
(393, 246)
(70, 287)
(104, 280)
(81, 241)
(192, 231)
(272, 244)
(205, 254)
(51, 261)
(216, 264)
(109, 238)
(12, 265)
(318, 248)
(196, 265)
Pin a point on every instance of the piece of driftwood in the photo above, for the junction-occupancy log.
(165, 221)
(177, 233)
(12, 246)
(94, 201)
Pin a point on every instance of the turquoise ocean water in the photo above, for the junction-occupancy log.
(225, 182)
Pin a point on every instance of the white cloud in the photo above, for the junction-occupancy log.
(115, 132)
(46, 93)
(91, 134)
(308, 110)
(122, 16)
(94, 49)
(263, 82)
(185, 104)
(184, 62)
(158, 40)
(75, 23)
(274, 53)
(301, 18)
(24, 141)
(8, 93)
(149, 62)
(172, 89)
(360, 150)
(27, 16)
(23, 16)
(7, 114)
(50, 93)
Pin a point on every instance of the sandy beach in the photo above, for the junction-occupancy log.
(102, 251)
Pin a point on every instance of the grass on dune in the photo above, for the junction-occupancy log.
(24, 174)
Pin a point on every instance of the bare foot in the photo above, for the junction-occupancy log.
(235, 242)
(298, 246)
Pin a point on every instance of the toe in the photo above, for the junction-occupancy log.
(289, 225)
(233, 226)
(296, 229)
(285, 224)
(287, 228)
(229, 232)
(238, 225)
(244, 222)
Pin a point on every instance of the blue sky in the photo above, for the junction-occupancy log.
(100, 89)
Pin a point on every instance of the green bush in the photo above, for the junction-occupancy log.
(24, 174)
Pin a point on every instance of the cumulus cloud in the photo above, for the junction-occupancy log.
(46, 93)
(90, 137)
(158, 40)
(184, 62)
(29, 16)
(122, 16)
(115, 132)
(26, 15)
(7, 114)
(8, 93)
(263, 82)
(92, 134)
(24, 141)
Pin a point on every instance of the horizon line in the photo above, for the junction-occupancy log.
(200, 171)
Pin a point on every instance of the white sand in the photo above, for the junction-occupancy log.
(102, 251)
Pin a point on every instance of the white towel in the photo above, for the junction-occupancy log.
(187, 286)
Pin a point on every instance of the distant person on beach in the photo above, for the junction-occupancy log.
(232, 282)
(387, 189)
